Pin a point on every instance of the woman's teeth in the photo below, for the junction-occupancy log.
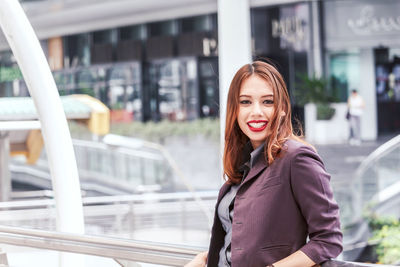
(257, 124)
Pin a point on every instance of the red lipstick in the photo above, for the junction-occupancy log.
(262, 125)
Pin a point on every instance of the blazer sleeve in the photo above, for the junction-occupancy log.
(313, 194)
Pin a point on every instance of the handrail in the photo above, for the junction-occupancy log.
(137, 251)
(131, 250)
(122, 150)
(382, 150)
(112, 199)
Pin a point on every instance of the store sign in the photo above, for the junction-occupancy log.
(9, 74)
(290, 29)
(209, 46)
(368, 23)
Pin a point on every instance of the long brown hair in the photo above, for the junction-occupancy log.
(279, 127)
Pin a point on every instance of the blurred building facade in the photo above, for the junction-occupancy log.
(154, 59)
(362, 51)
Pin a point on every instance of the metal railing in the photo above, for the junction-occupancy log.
(117, 249)
(123, 164)
(376, 180)
(136, 251)
(137, 170)
(177, 215)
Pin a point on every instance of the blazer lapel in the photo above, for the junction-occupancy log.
(225, 187)
(259, 166)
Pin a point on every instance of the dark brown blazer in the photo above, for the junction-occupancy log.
(277, 207)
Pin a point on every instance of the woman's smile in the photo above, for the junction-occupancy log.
(257, 125)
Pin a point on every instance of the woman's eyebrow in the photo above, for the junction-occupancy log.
(269, 95)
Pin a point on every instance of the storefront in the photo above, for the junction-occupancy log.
(362, 51)
(180, 72)
(282, 33)
(183, 88)
(148, 71)
(119, 86)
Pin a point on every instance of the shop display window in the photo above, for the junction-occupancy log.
(173, 89)
(387, 81)
(344, 75)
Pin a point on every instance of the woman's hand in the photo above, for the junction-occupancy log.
(199, 261)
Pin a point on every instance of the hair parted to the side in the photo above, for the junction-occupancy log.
(279, 126)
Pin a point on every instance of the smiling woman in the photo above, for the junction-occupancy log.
(255, 109)
(256, 95)
(277, 192)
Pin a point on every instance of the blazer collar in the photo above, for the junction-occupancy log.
(259, 165)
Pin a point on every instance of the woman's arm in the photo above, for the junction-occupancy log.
(314, 196)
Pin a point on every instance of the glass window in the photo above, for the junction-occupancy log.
(76, 50)
(102, 37)
(387, 82)
(196, 24)
(85, 80)
(163, 28)
(344, 73)
(135, 32)
(65, 81)
(124, 92)
(279, 28)
(387, 69)
(173, 89)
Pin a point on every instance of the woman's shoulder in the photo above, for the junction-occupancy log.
(292, 147)
(301, 155)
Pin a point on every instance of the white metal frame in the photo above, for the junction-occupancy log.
(34, 67)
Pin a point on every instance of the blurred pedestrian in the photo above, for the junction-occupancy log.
(356, 106)
(277, 192)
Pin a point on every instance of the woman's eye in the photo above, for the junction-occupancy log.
(268, 101)
(245, 102)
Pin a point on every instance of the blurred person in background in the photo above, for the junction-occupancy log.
(277, 191)
(356, 106)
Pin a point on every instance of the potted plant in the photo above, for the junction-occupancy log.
(324, 121)
(314, 90)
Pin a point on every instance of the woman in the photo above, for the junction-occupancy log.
(277, 191)
(355, 104)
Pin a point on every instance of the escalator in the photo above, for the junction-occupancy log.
(104, 169)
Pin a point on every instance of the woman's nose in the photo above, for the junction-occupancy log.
(256, 110)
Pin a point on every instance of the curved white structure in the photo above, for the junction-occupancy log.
(57, 139)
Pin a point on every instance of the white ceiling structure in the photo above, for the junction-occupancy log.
(51, 18)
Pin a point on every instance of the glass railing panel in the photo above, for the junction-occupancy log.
(144, 171)
(344, 197)
(383, 173)
(379, 171)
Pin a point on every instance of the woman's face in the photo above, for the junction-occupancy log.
(256, 108)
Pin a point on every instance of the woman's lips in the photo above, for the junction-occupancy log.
(257, 126)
